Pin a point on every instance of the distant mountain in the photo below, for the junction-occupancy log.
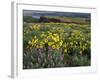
(50, 16)
(38, 14)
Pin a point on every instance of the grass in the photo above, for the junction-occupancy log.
(51, 45)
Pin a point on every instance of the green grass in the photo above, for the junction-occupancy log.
(50, 45)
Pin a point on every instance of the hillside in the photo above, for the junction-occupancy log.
(61, 19)
(64, 19)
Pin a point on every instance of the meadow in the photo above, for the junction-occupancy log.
(56, 44)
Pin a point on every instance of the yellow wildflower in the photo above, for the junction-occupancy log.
(34, 41)
(37, 46)
(46, 40)
(65, 50)
(42, 35)
(53, 46)
(57, 46)
(50, 43)
(61, 43)
(55, 34)
(42, 42)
